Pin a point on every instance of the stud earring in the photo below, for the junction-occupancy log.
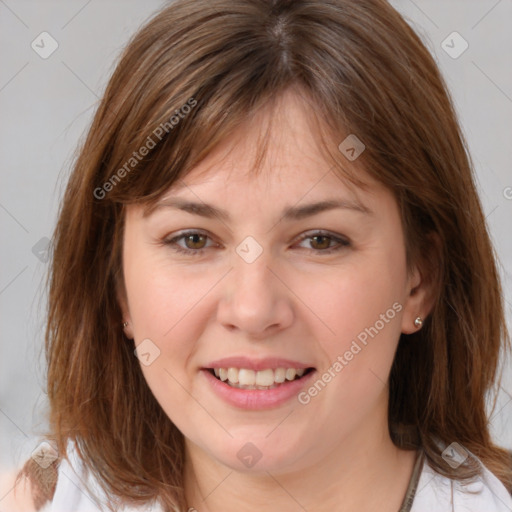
(125, 324)
(418, 322)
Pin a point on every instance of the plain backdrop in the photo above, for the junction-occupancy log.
(46, 105)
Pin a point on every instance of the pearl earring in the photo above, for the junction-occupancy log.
(418, 322)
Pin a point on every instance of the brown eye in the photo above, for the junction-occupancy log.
(192, 243)
(195, 241)
(322, 242)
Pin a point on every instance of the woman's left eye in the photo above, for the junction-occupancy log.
(195, 242)
(320, 238)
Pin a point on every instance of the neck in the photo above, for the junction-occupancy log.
(363, 471)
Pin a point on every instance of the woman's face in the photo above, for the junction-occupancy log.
(259, 292)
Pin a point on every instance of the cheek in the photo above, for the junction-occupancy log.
(170, 308)
(160, 296)
(360, 311)
(346, 302)
(167, 308)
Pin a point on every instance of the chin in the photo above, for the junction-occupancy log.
(258, 453)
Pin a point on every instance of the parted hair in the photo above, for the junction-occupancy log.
(361, 69)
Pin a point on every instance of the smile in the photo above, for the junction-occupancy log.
(250, 389)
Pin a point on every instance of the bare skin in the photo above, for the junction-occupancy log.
(294, 302)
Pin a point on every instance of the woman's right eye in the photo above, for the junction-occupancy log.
(190, 238)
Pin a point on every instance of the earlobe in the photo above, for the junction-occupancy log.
(414, 308)
(419, 303)
(128, 330)
(125, 314)
(422, 290)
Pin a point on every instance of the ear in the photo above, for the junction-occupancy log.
(123, 306)
(422, 284)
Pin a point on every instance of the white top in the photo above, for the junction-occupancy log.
(438, 493)
(434, 492)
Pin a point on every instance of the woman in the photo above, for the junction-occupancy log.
(272, 286)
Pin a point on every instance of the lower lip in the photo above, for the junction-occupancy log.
(257, 398)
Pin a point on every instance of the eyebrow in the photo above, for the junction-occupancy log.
(290, 213)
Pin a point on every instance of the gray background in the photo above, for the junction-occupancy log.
(47, 104)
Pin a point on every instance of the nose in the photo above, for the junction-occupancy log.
(255, 299)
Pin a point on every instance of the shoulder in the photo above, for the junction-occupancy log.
(16, 492)
(440, 493)
(31, 488)
(79, 490)
(57, 484)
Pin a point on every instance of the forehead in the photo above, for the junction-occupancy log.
(280, 156)
(285, 192)
(278, 146)
(294, 180)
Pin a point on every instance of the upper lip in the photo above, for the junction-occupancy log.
(256, 364)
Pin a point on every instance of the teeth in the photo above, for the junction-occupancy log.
(280, 375)
(233, 375)
(246, 377)
(290, 373)
(263, 379)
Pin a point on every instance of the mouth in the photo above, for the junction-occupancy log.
(266, 379)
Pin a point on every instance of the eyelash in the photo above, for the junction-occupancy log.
(172, 242)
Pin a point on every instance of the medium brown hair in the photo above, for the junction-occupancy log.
(362, 70)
